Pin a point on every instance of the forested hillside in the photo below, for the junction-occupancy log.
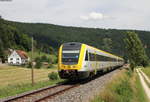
(11, 37)
(47, 35)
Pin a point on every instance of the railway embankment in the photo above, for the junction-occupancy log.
(85, 92)
(124, 87)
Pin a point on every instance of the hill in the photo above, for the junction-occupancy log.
(110, 40)
(11, 37)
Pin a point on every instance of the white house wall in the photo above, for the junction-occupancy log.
(14, 56)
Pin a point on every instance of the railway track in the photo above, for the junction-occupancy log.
(48, 93)
(43, 94)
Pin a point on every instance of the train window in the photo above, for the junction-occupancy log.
(104, 58)
(96, 57)
(70, 58)
(86, 56)
(92, 56)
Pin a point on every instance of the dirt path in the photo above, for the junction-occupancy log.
(144, 84)
(3, 65)
(145, 76)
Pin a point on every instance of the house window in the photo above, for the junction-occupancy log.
(18, 63)
(11, 58)
(17, 58)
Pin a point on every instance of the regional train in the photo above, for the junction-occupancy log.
(78, 60)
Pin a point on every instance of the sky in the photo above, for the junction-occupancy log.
(118, 14)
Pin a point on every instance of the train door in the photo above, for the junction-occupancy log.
(95, 59)
(87, 60)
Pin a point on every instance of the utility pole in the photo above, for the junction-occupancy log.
(32, 71)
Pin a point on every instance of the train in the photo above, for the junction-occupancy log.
(78, 61)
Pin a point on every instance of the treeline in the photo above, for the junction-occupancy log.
(13, 38)
(110, 40)
(50, 36)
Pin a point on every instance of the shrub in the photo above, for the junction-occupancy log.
(44, 58)
(38, 64)
(53, 76)
(29, 65)
(37, 59)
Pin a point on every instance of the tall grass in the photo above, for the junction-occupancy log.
(146, 71)
(125, 87)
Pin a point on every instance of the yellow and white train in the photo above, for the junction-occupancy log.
(77, 60)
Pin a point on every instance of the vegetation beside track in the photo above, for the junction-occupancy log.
(146, 71)
(125, 87)
(20, 88)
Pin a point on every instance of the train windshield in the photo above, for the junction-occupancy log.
(70, 57)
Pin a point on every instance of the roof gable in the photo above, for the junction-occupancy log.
(14, 54)
(22, 54)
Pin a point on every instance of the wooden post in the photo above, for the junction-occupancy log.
(32, 71)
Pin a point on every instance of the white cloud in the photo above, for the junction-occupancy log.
(93, 16)
(84, 13)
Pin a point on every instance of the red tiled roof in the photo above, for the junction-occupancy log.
(22, 54)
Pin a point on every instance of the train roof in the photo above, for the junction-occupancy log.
(104, 51)
(79, 44)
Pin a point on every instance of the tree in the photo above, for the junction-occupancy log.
(107, 44)
(135, 50)
(51, 50)
(38, 64)
(2, 55)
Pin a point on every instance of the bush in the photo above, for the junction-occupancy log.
(29, 65)
(38, 64)
(44, 58)
(55, 60)
(53, 76)
(37, 59)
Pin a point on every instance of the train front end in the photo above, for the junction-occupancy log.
(70, 61)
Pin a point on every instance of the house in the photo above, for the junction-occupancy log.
(18, 57)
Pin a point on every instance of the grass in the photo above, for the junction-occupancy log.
(146, 71)
(125, 87)
(12, 75)
(15, 80)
